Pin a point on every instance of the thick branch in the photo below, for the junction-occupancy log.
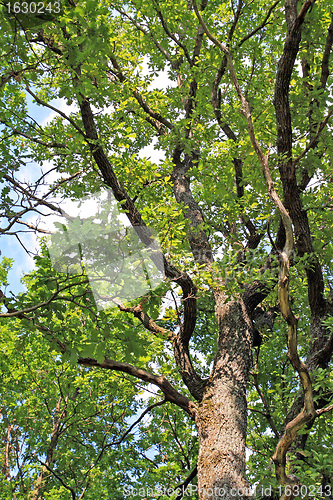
(314, 141)
(170, 393)
(320, 355)
(246, 110)
(180, 345)
(60, 479)
(197, 237)
(324, 410)
(183, 280)
(147, 322)
(290, 13)
(326, 56)
(308, 411)
(183, 360)
(292, 199)
(283, 76)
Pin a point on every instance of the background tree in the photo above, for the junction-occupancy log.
(240, 199)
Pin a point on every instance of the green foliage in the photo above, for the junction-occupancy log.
(67, 58)
(5, 266)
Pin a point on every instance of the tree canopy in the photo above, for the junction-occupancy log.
(207, 125)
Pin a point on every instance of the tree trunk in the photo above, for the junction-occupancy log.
(222, 414)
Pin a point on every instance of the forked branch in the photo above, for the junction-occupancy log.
(146, 320)
(308, 412)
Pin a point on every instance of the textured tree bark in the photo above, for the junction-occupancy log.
(222, 414)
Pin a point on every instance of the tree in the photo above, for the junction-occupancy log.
(241, 201)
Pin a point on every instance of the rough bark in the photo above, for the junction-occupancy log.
(200, 247)
(222, 415)
(291, 195)
(222, 411)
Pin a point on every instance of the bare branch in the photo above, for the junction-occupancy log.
(41, 201)
(60, 183)
(138, 420)
(32, 226)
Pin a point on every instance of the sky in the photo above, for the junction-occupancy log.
(9, 244)
(23, 262)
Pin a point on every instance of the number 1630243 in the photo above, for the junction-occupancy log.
(305, 491)
(33, 7)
